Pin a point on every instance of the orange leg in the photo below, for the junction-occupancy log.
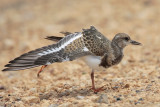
(93, 86)
(41, 70)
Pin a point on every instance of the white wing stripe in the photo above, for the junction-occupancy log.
(85, 49)
(75, 36)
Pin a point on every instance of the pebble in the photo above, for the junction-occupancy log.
(103, 99)
(67, 104)
(46, 95)
(141, 90)
(9, 43)
(53, 105)
(18, 99)
(31, 99)
(65, 93)
(118, 98)
(137, 102)
(141, 99)
(83, 92)
(116, 87)
(80, 97)
(138, 91)
(124, 62)
(126, 86)
(2, 88)
(33, 90)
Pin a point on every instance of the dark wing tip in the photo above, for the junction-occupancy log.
(4, 70)
(7, 69)
(7, 65)
(12, 61)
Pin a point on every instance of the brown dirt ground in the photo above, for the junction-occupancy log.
(134, 82)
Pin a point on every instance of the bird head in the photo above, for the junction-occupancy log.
(122, 40)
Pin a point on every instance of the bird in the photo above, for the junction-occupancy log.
(93, 47)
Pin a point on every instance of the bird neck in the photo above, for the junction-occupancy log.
(117, 50)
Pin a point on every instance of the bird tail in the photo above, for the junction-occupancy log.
(54, 38)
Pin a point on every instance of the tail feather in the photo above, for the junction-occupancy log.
(54, 38)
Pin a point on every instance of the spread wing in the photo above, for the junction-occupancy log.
(67, 49)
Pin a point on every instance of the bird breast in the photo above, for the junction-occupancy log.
(93, 62)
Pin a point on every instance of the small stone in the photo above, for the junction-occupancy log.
(31, 99)
(80, 97)
(67, 104)
(83, 92)
(2, 88)
(53, 105)
(116, 87)
(153, 81)
(126, 86)
(9, 43)
(124, 62)
(18, 99)
(118, 98)
(141, 99)
(137, 91)
(33, 90)
(65, 93)
(103, 99)
(45, 96)
(137, 102)
(130, 60)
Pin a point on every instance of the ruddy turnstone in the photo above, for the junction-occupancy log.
(98, 51)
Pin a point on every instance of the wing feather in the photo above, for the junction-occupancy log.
(49, 54)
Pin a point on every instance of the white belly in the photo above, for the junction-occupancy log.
(93, 62)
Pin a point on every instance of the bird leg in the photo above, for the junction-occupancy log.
(41, 70)
(93, 86)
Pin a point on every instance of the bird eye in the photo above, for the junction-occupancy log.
(126, 38)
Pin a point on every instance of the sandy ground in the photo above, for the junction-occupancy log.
(134, 82)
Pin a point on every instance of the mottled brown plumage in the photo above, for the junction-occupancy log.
(98, 51)
(95, 41)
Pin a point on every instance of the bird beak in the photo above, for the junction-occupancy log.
(135, 42)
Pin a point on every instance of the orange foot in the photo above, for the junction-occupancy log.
(98, 89)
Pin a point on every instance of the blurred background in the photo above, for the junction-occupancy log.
(25, 23)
